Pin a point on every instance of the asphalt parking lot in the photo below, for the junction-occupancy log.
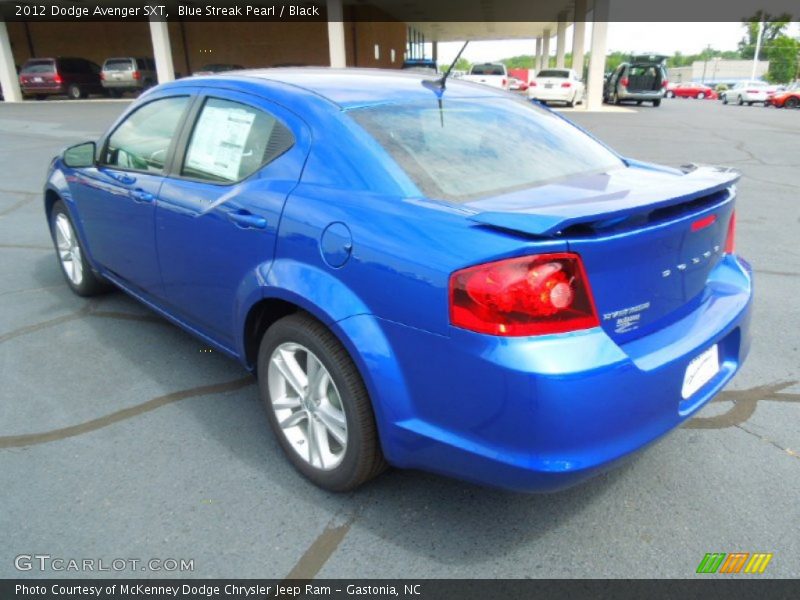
(121, 437)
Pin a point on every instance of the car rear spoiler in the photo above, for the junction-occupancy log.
(611, 209)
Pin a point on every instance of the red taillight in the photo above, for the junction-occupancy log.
(532, 84)
(704, 222)
(624, 81)
(730, 241)
(102, 76)
(664, 83)
(530, 295)
(58, 79)
(505, 82)
(752, 91)
(566, 85)
(137, 75)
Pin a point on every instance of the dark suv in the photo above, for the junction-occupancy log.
(74, 77)
(642, 79)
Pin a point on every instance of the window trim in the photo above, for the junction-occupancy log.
(188, 127)
(168, 159)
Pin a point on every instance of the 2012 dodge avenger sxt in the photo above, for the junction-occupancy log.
(438, 277)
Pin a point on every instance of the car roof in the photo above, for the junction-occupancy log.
(349, 88)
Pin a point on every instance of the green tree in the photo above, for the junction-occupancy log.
(774, 27)
(462, 64)
(782, 54)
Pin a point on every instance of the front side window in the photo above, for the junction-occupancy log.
(475, 148)
(232, 141)
(142, 141)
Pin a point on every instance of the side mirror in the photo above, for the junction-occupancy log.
(80, 155)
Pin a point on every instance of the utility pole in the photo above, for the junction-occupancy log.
(758, 47)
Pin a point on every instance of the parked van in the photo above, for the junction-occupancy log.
(128, 74)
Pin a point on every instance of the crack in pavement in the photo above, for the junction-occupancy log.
(744, 405)
(33, 439)
(782, 273)
(322, 548)
(769, 441)
(16, 205)
(25, 247)
(87, 310)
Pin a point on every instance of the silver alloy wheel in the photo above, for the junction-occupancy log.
(69, 251)
(307, 406)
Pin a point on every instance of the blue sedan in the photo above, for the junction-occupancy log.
(443, 278)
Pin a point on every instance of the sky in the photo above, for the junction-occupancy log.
(661, 38)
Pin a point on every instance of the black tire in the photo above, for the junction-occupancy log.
(571, 103)
(656, 103)
(74, 91)
(792, 102)
(362, 459)
(639, 102)
(91, 283)
(740, 101)
(724, 98)
(41, 96)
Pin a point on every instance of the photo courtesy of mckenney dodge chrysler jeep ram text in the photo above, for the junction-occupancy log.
(411, 288)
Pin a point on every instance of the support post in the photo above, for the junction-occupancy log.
(162, 51)
(597, 61)
(336, 45)
(9, 81)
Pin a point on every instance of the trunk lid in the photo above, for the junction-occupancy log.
(648, 237)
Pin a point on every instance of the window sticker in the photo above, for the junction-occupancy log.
(218, 142)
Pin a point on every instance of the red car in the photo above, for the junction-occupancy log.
(789, 98)
(692, 90)
(75, 77)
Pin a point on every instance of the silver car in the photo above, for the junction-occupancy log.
(746, 92)
(128, 73)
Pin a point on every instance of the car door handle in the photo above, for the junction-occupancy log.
(121, 177)
(247, 220)
(142, 196)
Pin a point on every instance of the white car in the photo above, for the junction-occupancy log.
(491, 74)
(557, 85)
(746, 92)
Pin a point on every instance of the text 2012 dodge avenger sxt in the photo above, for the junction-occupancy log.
(449, 279)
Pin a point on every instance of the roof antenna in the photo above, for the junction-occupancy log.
(442, 81)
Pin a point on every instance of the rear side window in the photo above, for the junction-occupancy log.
(232, 141)
(471, 149)
(142, 141)
(39, 66)
(119, 64)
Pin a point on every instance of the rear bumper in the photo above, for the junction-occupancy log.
(640, 95)
(123, 85)
(556, 94)
(35, 90)
(540, 414)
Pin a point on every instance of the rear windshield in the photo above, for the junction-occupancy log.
(487, 70)
(39, 66)
(476, 148)
(118, 64)
(562, 74)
